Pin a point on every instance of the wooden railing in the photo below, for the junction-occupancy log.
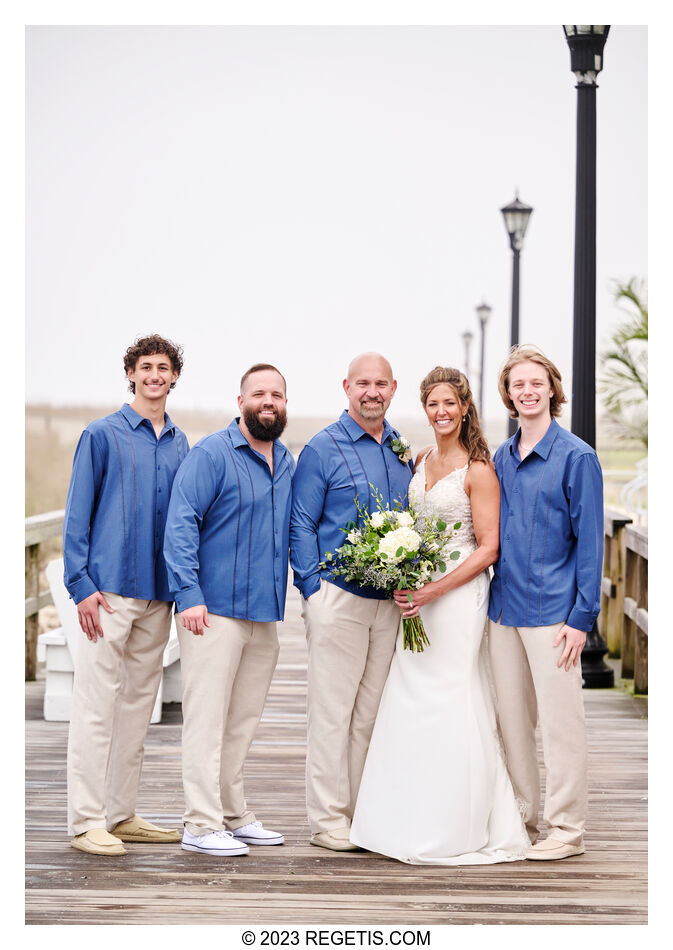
(39, 528)
(622, 622)
(623, 618)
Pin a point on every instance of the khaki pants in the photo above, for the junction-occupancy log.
(226, 674)
(115, 685)
(529, 683)
(351, 641)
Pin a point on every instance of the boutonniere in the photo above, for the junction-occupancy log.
(402, 449)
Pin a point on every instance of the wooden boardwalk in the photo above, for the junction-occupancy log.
(299, 885)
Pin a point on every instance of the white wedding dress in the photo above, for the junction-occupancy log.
(435, 789)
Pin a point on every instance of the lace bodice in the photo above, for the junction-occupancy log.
(447, 500)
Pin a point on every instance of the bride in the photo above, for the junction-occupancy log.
(435, 789)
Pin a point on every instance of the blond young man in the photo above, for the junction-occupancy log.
(545, 597)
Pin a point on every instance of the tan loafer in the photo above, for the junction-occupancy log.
(137, 829)
(98, 841)
(333, 843)
(552, 850)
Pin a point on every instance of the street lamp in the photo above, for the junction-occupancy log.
(467, 340)
(483, 313)
(586, 45)
(516, 215)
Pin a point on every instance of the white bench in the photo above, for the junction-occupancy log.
(60, 653)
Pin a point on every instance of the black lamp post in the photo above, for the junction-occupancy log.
(586, 61)
(467, 340)
(516, 215)
(483, 312)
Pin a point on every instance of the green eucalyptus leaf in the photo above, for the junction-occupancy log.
(441, 565)
(441, 525)
(454, 555)
(457, 525)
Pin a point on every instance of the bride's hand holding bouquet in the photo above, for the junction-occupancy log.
(394, 551)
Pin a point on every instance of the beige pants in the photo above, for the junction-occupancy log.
(226, 674)
(351, 641)
(115, 685)
(529, 683)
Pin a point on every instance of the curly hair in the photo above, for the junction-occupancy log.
(150, 346)
(528, 353)
(471, 436)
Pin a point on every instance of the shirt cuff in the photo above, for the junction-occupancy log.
(82, 589)
(192, 597)
(581, 620)
(308, 585)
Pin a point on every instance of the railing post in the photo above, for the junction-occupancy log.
(32, 590)
(39, 528)
(612, 590)
(635, 629)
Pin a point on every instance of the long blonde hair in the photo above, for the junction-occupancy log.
(471, 436)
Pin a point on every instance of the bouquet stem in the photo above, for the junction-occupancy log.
(413, 634)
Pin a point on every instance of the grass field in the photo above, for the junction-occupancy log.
(52, 434)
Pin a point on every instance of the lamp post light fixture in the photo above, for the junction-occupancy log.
(467, 340)
(516, 215)
(483, 313)
(586, 45)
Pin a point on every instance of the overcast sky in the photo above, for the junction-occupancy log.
(301, 194)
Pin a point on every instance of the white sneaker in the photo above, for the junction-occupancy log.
(254, 833)
(214, 842)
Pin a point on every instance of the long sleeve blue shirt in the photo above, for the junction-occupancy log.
(339, 463)
(551, 533)
(227, 535)
(116, 507)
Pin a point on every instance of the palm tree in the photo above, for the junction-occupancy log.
(623, 382)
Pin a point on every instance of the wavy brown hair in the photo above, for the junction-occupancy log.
(150, 346)
(471, 436)
(528, 353)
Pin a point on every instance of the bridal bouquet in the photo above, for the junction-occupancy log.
(393, 549)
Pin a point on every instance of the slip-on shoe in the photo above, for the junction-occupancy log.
(552, 850)
(323, 839)
(98, 841)
(137, 829)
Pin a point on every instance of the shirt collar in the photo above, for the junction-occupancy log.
(543, 447)
(356, 431)
(238, 440)
(134, 419)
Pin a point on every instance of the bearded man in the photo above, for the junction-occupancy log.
(226, 548)
(350, 630)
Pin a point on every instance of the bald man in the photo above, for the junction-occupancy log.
(350, 630)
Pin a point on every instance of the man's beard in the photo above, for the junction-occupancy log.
(371, 409)
(266, 429)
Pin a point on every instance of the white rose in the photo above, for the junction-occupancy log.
(404, 538)
(404, 519)
(406, 456)
(377, 519)
(353, 536)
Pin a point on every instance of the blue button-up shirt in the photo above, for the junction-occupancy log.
(227, 535)
(338, 464)
(116, 508)
(551, 533)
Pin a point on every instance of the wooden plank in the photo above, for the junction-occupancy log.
(636, 540)
(41, 527)
(299, 885)
(33, 604)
